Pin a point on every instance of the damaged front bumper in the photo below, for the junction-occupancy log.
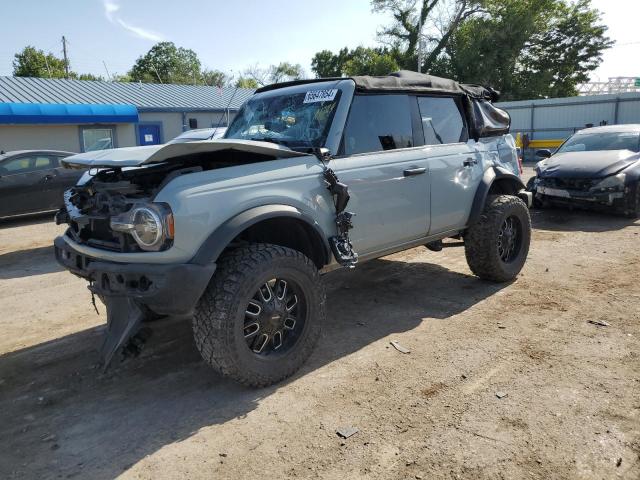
(128, 289)
(588, 198)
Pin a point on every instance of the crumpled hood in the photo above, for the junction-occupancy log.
(136, 156)
(598, 164)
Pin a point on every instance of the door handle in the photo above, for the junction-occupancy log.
(46, 178)
(469, 162)
(409, 172)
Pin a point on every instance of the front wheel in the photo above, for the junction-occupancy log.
(496, 246)
(260, 317)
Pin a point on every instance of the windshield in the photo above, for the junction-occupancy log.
(299, 120)
(591, 142)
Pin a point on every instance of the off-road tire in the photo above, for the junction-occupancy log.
(481, 239)
(219, 314)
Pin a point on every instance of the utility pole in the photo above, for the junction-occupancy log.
(419, 42)
(66, 60)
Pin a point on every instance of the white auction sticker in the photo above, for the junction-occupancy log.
(320, 95)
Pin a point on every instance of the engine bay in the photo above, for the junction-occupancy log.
(112, 191)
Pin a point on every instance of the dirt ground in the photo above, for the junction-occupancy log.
(572, 408)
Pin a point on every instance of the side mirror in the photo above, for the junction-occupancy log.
(544, 153)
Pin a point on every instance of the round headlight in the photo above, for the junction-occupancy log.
(147, 227)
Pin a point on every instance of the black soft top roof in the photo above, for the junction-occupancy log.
(403, 81)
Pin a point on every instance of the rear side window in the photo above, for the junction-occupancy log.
(441, 121)
(377, 123)
(42, 163)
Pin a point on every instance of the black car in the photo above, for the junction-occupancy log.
(595, 168)
(33, 181)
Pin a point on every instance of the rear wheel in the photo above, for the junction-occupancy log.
(260, 316)
(497, 246)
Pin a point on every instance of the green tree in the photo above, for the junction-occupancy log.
(326, 64)
(166, 63)
(439, 20)
(244, 82)
(215, 78)
(524, 48)
(547, 48)
(31, 62)
(359, 61)
(368, 61)
(87, 76)
(282, 72)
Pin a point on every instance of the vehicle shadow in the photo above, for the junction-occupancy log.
(24, 263)
(566, 220)
(25, 220)
(62, 417)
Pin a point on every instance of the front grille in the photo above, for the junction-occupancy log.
(92, 227)
(97, 233)
(577, 184)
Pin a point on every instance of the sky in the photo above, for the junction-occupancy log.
(232, 35)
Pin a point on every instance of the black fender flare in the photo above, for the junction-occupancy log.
(491, 175)
(217, 241)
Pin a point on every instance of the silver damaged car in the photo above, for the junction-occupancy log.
(310, 176)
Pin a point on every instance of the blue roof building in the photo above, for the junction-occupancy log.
(78, 115)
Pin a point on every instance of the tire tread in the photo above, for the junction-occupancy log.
(212, 322)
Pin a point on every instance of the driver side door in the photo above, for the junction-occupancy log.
(384, 164)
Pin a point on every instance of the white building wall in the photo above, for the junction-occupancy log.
(126, 135)
(32, 137)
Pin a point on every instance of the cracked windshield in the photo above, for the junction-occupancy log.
(296, 121)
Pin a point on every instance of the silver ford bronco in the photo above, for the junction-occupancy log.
(310, 176)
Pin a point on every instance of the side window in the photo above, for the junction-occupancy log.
(441, 121)
(27, 164)
(43, 163)
(378, 122)
(17, 165)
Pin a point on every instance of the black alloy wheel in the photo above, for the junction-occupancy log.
(510, 239)
(274, 317)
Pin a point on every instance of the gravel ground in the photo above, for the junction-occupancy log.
(572, 388)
